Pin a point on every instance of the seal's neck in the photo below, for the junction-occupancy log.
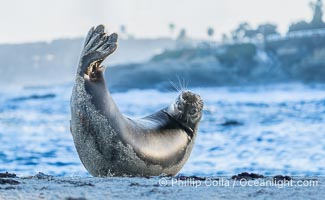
(189, 130)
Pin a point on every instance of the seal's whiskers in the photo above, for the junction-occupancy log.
(175, 86)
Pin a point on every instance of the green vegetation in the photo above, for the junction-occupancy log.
(238, 54)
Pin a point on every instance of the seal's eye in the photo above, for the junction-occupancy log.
(193, 111)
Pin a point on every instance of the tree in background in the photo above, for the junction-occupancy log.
(299, 26)
(171, 27)
(210, 32)
(267, 30)
(245, 31)
(240, 32)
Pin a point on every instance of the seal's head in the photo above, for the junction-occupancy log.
(187, 109)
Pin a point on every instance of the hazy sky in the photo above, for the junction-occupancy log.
(32, 20)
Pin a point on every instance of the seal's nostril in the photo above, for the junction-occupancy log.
(186, 94)
(189, 97)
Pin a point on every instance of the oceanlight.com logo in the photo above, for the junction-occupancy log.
(223, 182)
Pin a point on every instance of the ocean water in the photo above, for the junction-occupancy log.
(276, 129)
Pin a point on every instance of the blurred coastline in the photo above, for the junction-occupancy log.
(245, 56)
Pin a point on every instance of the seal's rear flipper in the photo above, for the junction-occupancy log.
(98, 45)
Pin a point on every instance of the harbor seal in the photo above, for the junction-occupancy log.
(111, 144)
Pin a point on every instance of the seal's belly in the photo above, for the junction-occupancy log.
(155, 143)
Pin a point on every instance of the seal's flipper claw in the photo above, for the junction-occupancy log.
(113, 38)
(97, 42)
(98, 46)
(110, 49)
(89, 35)
(100, 29)
(111, 45)
(102, 42)
(93, 38)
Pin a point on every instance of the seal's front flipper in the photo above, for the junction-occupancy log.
(98, 46)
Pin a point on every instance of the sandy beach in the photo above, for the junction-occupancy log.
(43, 186)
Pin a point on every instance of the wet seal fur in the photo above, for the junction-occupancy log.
(111, 144)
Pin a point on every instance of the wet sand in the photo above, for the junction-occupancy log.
(243, 186)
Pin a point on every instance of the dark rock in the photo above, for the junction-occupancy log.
(9, 181)
(247, 176)
(196, 178)
(41, 175)
(7, 175)
(281, 179)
